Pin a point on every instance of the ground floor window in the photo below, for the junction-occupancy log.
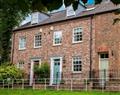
(77, 64)
(20, 65)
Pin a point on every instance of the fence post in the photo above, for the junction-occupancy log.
(86, 88)
(3, 84)
(58, 86)
(33, 85)
(71, 84)
(22, 83)
(12, 83)
(45, 83)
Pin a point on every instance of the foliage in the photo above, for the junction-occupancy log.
(42, 71)
(8, 70)
(53, 92)
(12, 12)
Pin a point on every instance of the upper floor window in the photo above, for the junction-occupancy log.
(77, 35)
(57, 38)
(22, 43)
(77, 64)
(38, 40)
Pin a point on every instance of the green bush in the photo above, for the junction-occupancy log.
(42, 71)
(9, 71)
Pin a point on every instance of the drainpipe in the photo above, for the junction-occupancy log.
(91, 43)
(12, 50)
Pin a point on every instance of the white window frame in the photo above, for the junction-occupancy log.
(35, 41)
(52, 65)
(73, 39)
(32, 68)
(73, 65)
(19, 65)
(54, 44)
(20, 43)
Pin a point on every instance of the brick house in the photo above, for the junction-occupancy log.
(73, 42)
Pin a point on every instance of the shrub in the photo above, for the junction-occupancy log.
(9, 71)
(42, 71)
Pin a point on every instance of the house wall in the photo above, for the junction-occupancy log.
(67, 50)
(106, 39)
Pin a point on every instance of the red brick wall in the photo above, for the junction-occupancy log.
(104, 34)
(107, 36)
(67, 50)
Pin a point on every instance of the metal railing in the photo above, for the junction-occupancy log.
(83, 84)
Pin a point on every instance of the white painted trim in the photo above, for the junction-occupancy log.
(73, 65)
(31, 70)
(54, 38)
(20, 42)
(73, 35)
(103, 69)
(51, 68)
(34, 40)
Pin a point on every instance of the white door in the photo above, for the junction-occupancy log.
(33, 62)
(56, 70)
(103, 67)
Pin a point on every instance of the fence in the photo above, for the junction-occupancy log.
(83, 84)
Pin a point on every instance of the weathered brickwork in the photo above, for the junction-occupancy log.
(105, 38)
(67, 50)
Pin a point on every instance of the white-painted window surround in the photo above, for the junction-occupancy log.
(22, 43)
(76, 64)
(77, 35)
(57, 38)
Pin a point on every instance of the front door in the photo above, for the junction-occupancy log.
(103, 66)
(56, 69)
(33, 63)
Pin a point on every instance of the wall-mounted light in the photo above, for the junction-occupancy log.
(51, 28)
(40, 29)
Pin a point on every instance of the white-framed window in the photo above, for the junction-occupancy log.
(77, 64)
(20, 65)
(22, 43)
(38, 40)
(57, 38)
(77, 35)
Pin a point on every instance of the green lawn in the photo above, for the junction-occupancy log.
(47, 92)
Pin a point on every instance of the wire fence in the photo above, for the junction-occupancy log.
(83, 84)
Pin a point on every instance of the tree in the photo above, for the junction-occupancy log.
(13, 11)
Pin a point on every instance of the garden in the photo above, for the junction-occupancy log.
(51, 92)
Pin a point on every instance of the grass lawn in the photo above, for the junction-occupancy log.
(48, 92)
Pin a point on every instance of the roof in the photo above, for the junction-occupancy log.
(61, 15)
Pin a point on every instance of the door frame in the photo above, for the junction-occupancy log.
(103, 69)
(31, 70)
(52, 66)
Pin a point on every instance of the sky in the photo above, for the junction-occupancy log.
(27, 19)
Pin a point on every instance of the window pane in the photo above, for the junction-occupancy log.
(77, 34)
(77, 64)
(22, 43)
(38, 40)
(57, 37)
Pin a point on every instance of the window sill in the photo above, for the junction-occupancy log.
(77, 42)
(75, 72)
(57, 44)
(37, 47)
(22, 49)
